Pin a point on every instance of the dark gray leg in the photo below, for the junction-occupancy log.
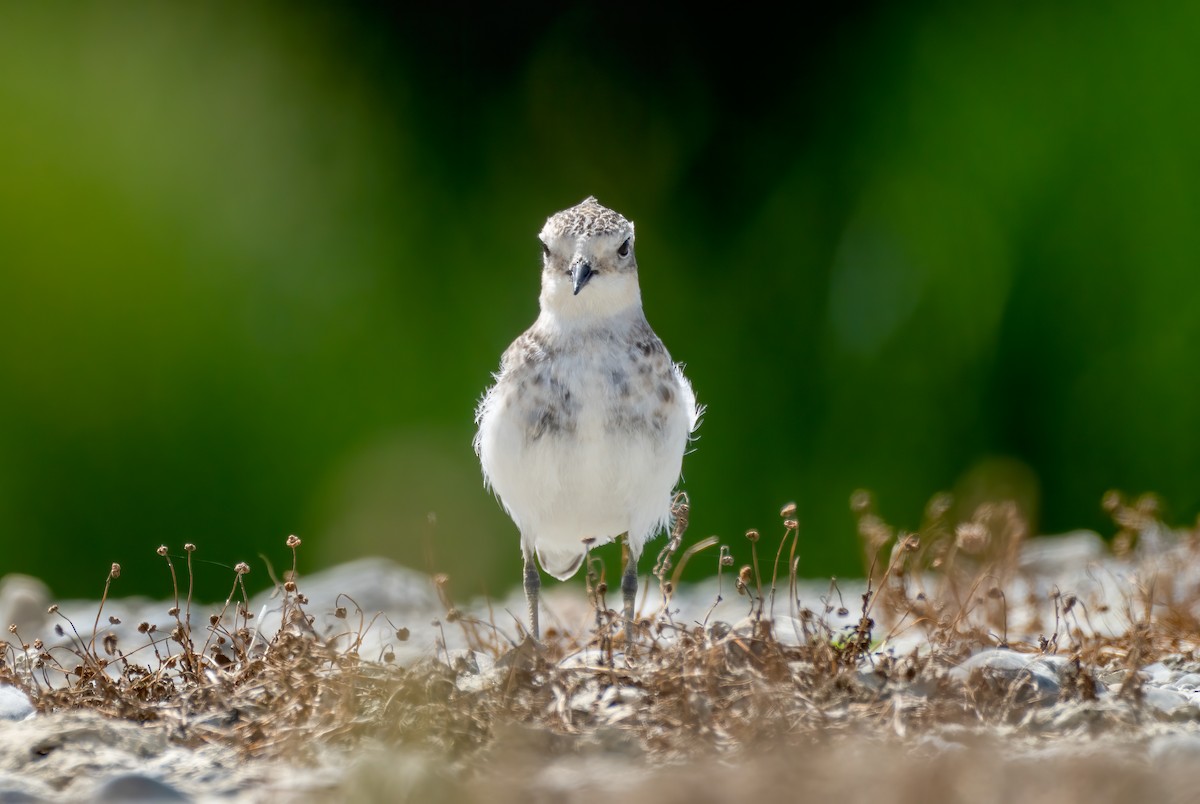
(533, 582)
(629, 587)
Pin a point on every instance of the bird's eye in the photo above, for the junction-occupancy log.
(545, 250)
(623, 251)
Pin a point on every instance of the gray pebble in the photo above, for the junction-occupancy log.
(1008, 666)
(136, 787)
(14, 704)
(1168, 702)
(1189, 682)
(1159, 674)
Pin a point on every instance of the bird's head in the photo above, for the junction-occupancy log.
(589, 270)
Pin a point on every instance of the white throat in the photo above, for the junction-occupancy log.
(603, 299)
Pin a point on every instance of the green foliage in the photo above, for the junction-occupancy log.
(257, 262)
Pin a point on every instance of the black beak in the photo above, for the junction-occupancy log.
(581, 272)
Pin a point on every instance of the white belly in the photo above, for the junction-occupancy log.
(594, 480)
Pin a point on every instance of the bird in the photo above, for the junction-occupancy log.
(582, 434)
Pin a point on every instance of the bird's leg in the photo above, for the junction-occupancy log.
(629, 586)
(533, 582)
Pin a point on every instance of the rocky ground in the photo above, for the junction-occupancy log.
(1001, 670)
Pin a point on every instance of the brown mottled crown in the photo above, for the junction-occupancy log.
(588, 217)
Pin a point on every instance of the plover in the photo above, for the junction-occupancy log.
(583, 433)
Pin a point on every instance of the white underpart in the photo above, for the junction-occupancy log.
(593, 481)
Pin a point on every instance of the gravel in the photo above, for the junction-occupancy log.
(1152, 726)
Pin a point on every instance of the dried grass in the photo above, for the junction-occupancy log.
(680, 691)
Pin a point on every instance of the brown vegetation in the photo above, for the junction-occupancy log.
(785, 678)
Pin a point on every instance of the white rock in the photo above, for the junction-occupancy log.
(1062, 553)
(14, 704)
(1168, 702)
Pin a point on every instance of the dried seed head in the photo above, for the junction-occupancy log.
(680, 513)
(860, 501)
(189, 547)
(726, 560)
(38, 644)
(110, 643)
(938, 505)
(744, 574)
(972, 537)
(1148, 504)
(340, 612)
(214, 620)
(911, 543)
(12, 629)
(143, 628)
(115, 572)
(874, 531)
(290, 586)
(602, 588)
(389, 656)
(114, 620)
(402, 634)
(301, 599)
(242, 568)
(752, 535)
(788, 511)
(162, 550)
(791, 524)
(173, 611)
(293, 541)
(53, 609)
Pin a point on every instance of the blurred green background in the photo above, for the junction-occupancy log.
(258, 260)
